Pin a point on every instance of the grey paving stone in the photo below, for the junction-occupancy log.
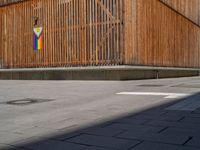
(167, 117)
(188, 125)
(158, 112)
(177, 112)
(159, 146)
(53, 145)
(107, 142)
(172, 139)
(62, 137)
(188, 104)
(195, 141)
(7, 137)
(133, 120)
(21, 149)
(96, 148)
(28, 141)
(82, 105)
(132, 128)
(197, 111)
(9, 147)
(36, 131)
(148, 115)
(181, 131)
(194, 115)
(191, 120)
(102, 131)
(6, 147)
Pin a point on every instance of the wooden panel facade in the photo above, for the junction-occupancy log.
(7, 2)
(76, 32)
(161, 36)
(188, 8)
(100, 32)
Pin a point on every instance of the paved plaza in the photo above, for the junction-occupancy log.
(100, 115)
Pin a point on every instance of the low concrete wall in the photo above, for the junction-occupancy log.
(96, 73)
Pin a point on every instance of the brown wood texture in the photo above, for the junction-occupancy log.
(8, 2)
(161, 36)
(76, 32)
(101, 32)
(188, 8)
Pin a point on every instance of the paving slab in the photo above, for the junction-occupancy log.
(7, 137)
(9, 147)
(136, 121)
(181, 131)
(96, 148)
(62, 136)
(193, 120)
(102, 131)
(177, 112)
(51, 145)
(89, 115)
(107, 142)
(197, 111)
(195, 141)
(164, 117)
(154, 112)
(160, 146)
(4, 147)
(134, 128)
(172, 139)
(190, 103)
(194, 115)
(188, 125)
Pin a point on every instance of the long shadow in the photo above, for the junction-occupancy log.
(155, 128)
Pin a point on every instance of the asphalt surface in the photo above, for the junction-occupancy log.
(100, 115)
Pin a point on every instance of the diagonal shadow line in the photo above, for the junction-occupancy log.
(141, 123)
(3, 4)
(190, 20)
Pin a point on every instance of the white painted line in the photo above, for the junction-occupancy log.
(166, 95)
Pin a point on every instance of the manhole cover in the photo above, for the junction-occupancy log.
(151, 85)
(27, 101)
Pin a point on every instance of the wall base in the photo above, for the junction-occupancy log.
(96, 73)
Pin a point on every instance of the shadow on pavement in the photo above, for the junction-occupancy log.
(153, 129)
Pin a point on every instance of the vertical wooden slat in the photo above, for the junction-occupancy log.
(76, 32)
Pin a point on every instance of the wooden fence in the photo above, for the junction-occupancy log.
(76, 32)
(157, 35)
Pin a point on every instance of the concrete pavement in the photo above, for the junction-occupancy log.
(90, 115)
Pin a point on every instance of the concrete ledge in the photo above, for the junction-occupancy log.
(96, 73)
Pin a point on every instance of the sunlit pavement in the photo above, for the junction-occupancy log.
(100, 115)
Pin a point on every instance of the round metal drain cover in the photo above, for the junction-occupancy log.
(22, 102)
(27, 101)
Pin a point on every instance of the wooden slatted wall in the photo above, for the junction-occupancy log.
(76, 32)
(7, 2)
(101, 32)
(188, 8)
(161, 36)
